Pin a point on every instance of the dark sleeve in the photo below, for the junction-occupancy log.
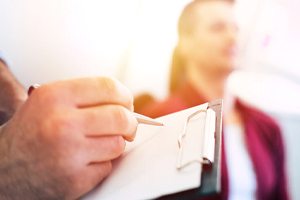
(281, 190)
(12, 93)
(3, 115)
(273, 139)
(2, 60)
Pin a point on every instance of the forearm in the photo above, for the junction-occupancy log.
(12, 93)
(7, 171)
(17, 175)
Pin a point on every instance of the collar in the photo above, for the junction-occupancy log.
(189, 95)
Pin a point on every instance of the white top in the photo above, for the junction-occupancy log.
(241, 175)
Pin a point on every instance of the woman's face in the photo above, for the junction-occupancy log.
(212, 42)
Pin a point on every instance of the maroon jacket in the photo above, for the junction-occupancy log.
(263, 140)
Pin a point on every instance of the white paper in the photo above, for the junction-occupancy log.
(147, 169)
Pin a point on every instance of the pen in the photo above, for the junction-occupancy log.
(140, 118)
(147, 120)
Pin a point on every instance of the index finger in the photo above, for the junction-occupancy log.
(90, 92)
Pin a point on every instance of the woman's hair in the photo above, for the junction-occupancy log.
(185, 28)
(177, 71)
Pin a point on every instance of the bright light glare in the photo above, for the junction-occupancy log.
(152, 46)
(101, 28)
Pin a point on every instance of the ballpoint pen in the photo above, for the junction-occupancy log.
(140, 118)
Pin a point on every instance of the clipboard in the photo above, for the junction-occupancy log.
(178, 161)
(210, 177)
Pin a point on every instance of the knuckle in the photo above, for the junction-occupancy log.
(117, 90)
(57, 126)
(127, 96)
(130, 100)
(122, 119)
(117, 145)
(46, 94)
(106, 168)
(109, 84)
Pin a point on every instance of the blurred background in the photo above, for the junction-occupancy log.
(132, 40)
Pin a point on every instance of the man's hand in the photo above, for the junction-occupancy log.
(60, 143)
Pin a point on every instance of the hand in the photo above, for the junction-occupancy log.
(60, 143)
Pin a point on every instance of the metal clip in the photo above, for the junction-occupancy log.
(181, 137)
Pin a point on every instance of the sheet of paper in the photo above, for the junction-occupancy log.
(147, 169)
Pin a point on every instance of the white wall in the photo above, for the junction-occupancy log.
(133, 40)
(49, 40)
(269, 60)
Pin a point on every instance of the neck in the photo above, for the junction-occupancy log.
(211, 85)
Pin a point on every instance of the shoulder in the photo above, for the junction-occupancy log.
(160, 108)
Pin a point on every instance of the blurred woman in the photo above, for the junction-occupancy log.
(253, 163)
